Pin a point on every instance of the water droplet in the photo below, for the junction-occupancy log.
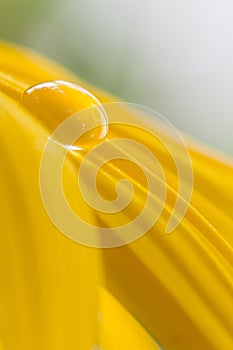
(55, 101)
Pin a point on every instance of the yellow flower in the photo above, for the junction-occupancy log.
(173, 290)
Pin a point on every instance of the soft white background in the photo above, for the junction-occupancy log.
(173, 55)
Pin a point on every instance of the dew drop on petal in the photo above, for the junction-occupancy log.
(54, 101)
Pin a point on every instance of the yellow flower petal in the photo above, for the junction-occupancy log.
(178, 287)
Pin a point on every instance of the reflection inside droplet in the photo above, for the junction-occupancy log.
(55, 101)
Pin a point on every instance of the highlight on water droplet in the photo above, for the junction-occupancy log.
(54, 101)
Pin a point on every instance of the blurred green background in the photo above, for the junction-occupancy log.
(173, 56)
